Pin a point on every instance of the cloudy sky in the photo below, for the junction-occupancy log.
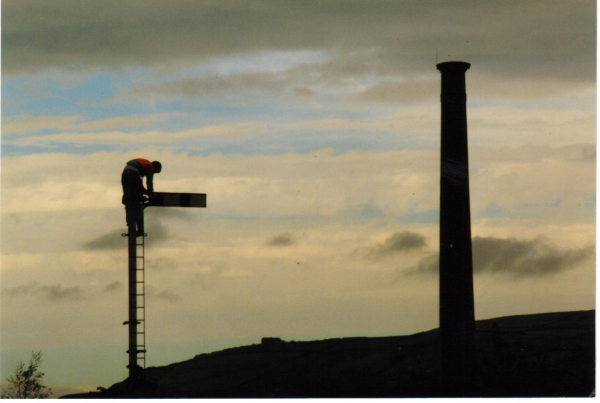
(313, 126)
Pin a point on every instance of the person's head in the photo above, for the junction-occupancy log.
(157, 166)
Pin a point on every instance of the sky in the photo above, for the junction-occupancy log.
(314, 129)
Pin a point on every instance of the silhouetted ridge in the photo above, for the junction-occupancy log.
(542, 355)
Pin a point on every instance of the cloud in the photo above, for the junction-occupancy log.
(284, 239)
(524, 258)
(113, 287)
(399, 183)
(58, 293)
(517, 258)
(229, 131)
(163, 263)
(399, 242)
(405, 92)
(480, 88)
(168, 296)
(49, 292)
(112, 240)
(206, 86)
(304, 93)
(162, 295)
(156, 231)
(30, 124)
(161, 213)
(588, 153)
(553, 39)
(12, 125)
(427, 265)
(502, 126)
(22, 289)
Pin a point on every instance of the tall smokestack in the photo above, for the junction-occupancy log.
(457, 310)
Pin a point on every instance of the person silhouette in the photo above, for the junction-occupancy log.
(135, 196)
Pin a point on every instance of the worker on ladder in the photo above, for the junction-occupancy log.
(135, 196)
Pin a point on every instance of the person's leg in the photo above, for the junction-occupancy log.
(130, 216)
(132, 198)
(140, 219)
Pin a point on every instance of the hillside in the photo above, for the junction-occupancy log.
(543, 355)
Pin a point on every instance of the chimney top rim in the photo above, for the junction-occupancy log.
(454, 65)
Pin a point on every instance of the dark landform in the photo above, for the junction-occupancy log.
(541, 355)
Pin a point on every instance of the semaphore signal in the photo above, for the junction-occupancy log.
(136, 199)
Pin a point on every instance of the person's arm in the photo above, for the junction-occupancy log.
(150, 183)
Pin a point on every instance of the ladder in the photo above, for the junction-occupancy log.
(140, 297)
(137, 302)
(136, 283)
